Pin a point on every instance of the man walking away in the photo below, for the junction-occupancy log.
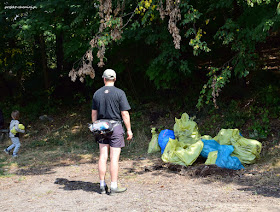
(110, 102)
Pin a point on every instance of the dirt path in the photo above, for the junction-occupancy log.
(150, 188)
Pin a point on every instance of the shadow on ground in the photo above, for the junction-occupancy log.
(35, 171)
(255, 181)
(36, 168)
(77, 185)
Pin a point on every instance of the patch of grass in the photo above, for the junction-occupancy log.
(2, 164)
(5, 163)
(67, 139)
(273, 157)
(138, 146)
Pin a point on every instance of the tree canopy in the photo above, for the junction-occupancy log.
(152, 44)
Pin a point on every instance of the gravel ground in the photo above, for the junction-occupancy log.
(75, 187)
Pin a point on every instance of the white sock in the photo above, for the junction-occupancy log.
(114, 185)
(102, 183)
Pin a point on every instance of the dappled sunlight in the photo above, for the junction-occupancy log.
(85, 156)
(76, 129)
(277, 165)
(56, 133)
(40, 162)
(73, 114)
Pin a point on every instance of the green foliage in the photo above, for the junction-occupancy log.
(206, 29)
(261, 127)
(191, 16)
(37, 143)
(79, 98)
(217, 80)
(218, 42)
(269, 95)
(22, 58)
(234, 117)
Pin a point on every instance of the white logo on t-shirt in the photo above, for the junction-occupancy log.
(106, 91)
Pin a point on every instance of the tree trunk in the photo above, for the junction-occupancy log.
(44, 61)
(59, 51)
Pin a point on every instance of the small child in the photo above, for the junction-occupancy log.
(15, 129)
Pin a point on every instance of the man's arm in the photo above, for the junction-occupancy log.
(126, 120)
(93, 115)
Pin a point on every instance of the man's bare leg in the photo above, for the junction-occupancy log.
(114, 163)
(102, 163)
(114, 170)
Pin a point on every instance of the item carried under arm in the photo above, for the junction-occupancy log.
(103, 126)
(18, 128)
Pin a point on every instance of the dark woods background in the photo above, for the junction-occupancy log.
(224, 69)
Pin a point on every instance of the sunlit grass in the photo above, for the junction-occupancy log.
(67, 140)
(52, 144)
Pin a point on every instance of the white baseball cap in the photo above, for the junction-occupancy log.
(109, 74)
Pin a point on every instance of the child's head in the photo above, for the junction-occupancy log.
(15, 114)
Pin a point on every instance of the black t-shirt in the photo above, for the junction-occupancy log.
(109, 101)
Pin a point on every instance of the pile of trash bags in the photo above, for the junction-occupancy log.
(229, 149)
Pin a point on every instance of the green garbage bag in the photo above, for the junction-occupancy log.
(186, 130)
(212, 157)
(169, 155)
(225, 136)
(190, 154)
(153, 145)
(206, 137)
(247, 150)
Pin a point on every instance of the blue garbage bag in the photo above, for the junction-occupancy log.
(209, 146)
(224, 160)
(163, 138)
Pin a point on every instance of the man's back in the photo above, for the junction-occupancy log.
(109, 101)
